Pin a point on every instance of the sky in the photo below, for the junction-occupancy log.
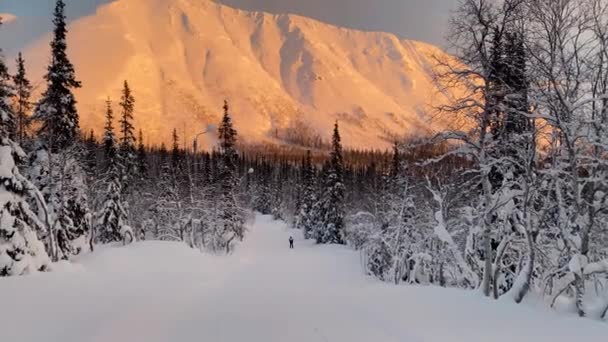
(424, 20)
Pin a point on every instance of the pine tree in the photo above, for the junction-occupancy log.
(56, 163)
(56, 110)
(516, 80)
(128, 157)
(168, 206)
(91, 155)
(231, 221)
(23, 91)
(142, 158)
(109, 139)
(332, 201)
(262, 201)
(306, 214)
(277, 195)
(20, 250)
(112, 216)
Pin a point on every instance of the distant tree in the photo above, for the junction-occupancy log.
(142, 158)
(112, 216)
(305, 216)
(91, 155)
(127, 140)
(332, 200)
(22, 104)
(175, 152)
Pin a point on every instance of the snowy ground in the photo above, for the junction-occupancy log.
(155, 291)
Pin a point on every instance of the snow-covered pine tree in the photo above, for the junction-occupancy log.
(57, 159)
(262, 199)
(127, 153)
(112, 216)
(90, 162)
(305, 216)
(231, 221)
(56, 110)
(277, 195)
(140, 197)
(169, 207)
(20, 250)
(22, 104)
(142, 158)
(332, 201)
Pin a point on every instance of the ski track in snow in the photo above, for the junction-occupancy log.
(159, 291)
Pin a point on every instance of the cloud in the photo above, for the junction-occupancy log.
(7, 18)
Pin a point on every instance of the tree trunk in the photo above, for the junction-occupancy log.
(528, 269)
(579, 288)
(487, 271)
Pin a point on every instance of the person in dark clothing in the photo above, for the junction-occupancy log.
(291, 242)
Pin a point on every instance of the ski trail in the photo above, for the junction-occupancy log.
(264, 292)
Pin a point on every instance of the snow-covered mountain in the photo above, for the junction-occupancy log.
(184, 57)
(7, 18)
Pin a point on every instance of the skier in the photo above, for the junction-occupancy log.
(291, 242)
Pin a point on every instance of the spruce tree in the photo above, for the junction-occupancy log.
(231, 221)
(517, 82)
(262, 201)
(23, 91)
(56, 110)
(332, 200)
(142, 158)
(20, 250)
(91, 155)
(309, 198)
(127, 140)
(112, 216)
(168, 208)
(57, 161)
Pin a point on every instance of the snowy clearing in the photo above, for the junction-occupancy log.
(159, 291)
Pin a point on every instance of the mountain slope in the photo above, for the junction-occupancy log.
(7, 18)
(183, 57)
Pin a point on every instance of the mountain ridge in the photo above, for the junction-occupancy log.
(183, 58)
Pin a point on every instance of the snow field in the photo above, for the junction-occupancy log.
(160, 291)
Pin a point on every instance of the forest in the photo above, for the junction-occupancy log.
(513, 200)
